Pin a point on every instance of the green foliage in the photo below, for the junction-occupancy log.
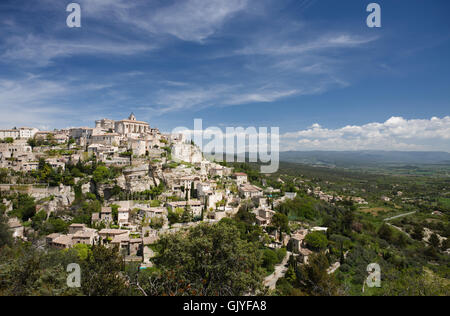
(174, 216)
(385, 232)
(300, 208)
(272, 257)
(5, 232)
(83, 251)
(413, 282)
(208, 260)
(83, 215)
(155, 203)
(314, 279)
(435, 241)
(102, 273)
(101, 174)
(316, 240)
(115, 212)
(25, 271)
(24, 206)
(281, 222)
(417, 233)
(7, 140)
(157, 222)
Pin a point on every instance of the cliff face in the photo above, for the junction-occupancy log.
(133, 180)
(61, 197)
(142, 184)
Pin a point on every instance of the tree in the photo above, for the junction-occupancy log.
(186, 216)
(314, 278)
(270, 259)
(435, 241)
(101, 174)
(27, 270)
(157, 222)
(207, 260)
(193, 191)
(102, 273)
(410, 282)
(385, 232)
(245, 215)
(115, 212)
(417, 233)
(5, 233)
(281, 222)
(316, 240)
(24, 207)
(32, 142)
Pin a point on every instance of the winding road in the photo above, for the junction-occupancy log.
(398, 216)
(280, 270)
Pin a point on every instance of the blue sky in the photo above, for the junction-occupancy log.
(311, 67)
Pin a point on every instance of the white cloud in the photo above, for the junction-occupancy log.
(273, 46)
(188, 20)
(196, 97)
(396, 133)
(37, 101)
(192, 20)
(116, 27)
(40, 51)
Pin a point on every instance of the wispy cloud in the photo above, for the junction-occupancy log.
(191, 20)
(188, 20)
(37, 101)
(275, 46)
(219, 95)
(41, 51)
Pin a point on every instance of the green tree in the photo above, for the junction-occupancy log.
(270, 259)
(314, 278)
(207, 260)
(385, 232)
(417, 233)
(281, 222)
(102, 273)
(435, 241)
(101, 174)
(5, 232)
(115, 212)
(24, 206)
(316, 240)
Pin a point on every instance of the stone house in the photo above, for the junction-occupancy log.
(195, 206)
(248, 191)
(264, 216)
(241, 178)
(87, 236)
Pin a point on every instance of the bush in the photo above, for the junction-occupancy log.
(316, 240)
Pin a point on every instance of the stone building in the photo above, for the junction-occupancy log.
(131, 126)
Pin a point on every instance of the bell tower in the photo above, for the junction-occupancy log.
(132, 117)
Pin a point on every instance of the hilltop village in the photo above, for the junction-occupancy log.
(148, 183)
(157, 203)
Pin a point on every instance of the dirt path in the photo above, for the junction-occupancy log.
(280, 270)
(398, 216)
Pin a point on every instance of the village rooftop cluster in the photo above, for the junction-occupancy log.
(195, 189)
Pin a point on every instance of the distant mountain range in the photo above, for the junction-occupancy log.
(364, 158)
